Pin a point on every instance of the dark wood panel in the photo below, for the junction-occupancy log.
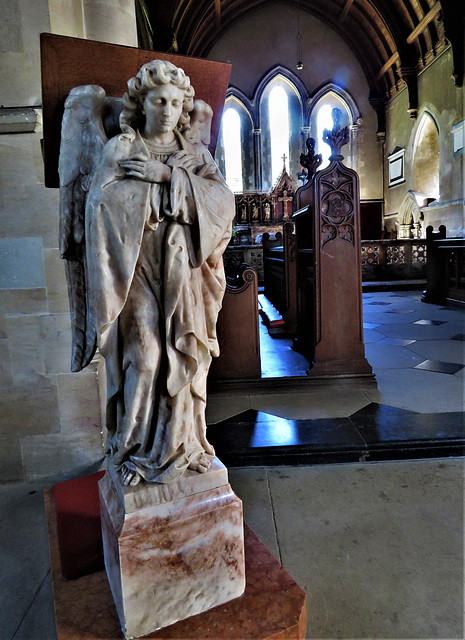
(238, 332)
(71, 62)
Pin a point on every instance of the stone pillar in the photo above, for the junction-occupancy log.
(353, 159)
(110, 21)
(257, 149)
(305, 134)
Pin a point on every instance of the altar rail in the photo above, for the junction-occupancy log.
(445, 267)
(401, 259)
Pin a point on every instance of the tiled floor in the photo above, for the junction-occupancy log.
(417, 352)
(378, 547)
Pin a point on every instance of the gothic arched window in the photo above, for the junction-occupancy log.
(321, 118)
(232, 148)
(278, 114)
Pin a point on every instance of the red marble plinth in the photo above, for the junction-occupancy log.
(272, 606)
(169, 559)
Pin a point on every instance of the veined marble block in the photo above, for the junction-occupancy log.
(172, 550)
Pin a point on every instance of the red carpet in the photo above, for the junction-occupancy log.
(78, 525)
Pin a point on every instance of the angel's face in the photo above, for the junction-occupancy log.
(163, 108)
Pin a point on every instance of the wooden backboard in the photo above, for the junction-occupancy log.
(71, 62)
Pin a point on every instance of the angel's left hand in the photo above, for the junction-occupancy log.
(144, 168)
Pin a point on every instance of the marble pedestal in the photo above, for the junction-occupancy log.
(171, 551)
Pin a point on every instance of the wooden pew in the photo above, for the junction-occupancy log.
(327, 219)
(280, 275)
(238, 331)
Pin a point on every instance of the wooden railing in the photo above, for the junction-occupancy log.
(445, 267)
(402, 259)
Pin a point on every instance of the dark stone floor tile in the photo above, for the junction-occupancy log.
(375, 433)
(401, 311)
(459, 336)
(382, 425)
(271, 457)
(439, 367)
(436, 323)
(371, 325)
(416, 451)
(381, 304)
(260, 431)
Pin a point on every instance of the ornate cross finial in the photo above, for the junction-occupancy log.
(284, 156)
(337, 137)
(311, 161)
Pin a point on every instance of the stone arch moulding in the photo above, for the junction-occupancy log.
(430, 110)
(426, 113)
(409, 216)
(341, 93)
(290, 76)
(244, 102)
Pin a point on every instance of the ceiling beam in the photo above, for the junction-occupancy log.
(218, 13)
(392, 60)
(421, 26)
(345, 11)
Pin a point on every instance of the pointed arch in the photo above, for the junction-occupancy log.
(236, 100)
(341, 94)
(319, 117)
(289, 76)
(425, 156)
(296, 94)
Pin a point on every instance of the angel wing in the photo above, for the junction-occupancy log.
(82, 142)
(201, 123)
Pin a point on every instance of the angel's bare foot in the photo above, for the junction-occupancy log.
(201, 464)
(130, 477)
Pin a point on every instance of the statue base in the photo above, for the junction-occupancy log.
(171, 550)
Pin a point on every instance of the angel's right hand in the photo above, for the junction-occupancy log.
(183, 160)
(144, 168)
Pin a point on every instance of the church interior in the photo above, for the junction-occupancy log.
(350, 468)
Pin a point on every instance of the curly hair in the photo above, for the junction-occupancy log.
(151, 75)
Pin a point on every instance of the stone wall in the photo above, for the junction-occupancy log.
(50, 425)
(440, 98)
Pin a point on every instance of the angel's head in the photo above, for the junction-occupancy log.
(157, 76)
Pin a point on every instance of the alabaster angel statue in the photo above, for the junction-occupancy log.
(145, 218)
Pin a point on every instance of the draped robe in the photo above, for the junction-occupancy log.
(156, 283)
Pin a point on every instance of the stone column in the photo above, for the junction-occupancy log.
(353, 159)
(305, 135)
(110, 21)
(257, 149)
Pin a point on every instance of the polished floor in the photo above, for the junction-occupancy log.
(417, 352)
(378, 546)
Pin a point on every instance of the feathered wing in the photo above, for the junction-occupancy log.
(200, 123)
(82, 142)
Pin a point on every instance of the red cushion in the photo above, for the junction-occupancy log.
(78, 526)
